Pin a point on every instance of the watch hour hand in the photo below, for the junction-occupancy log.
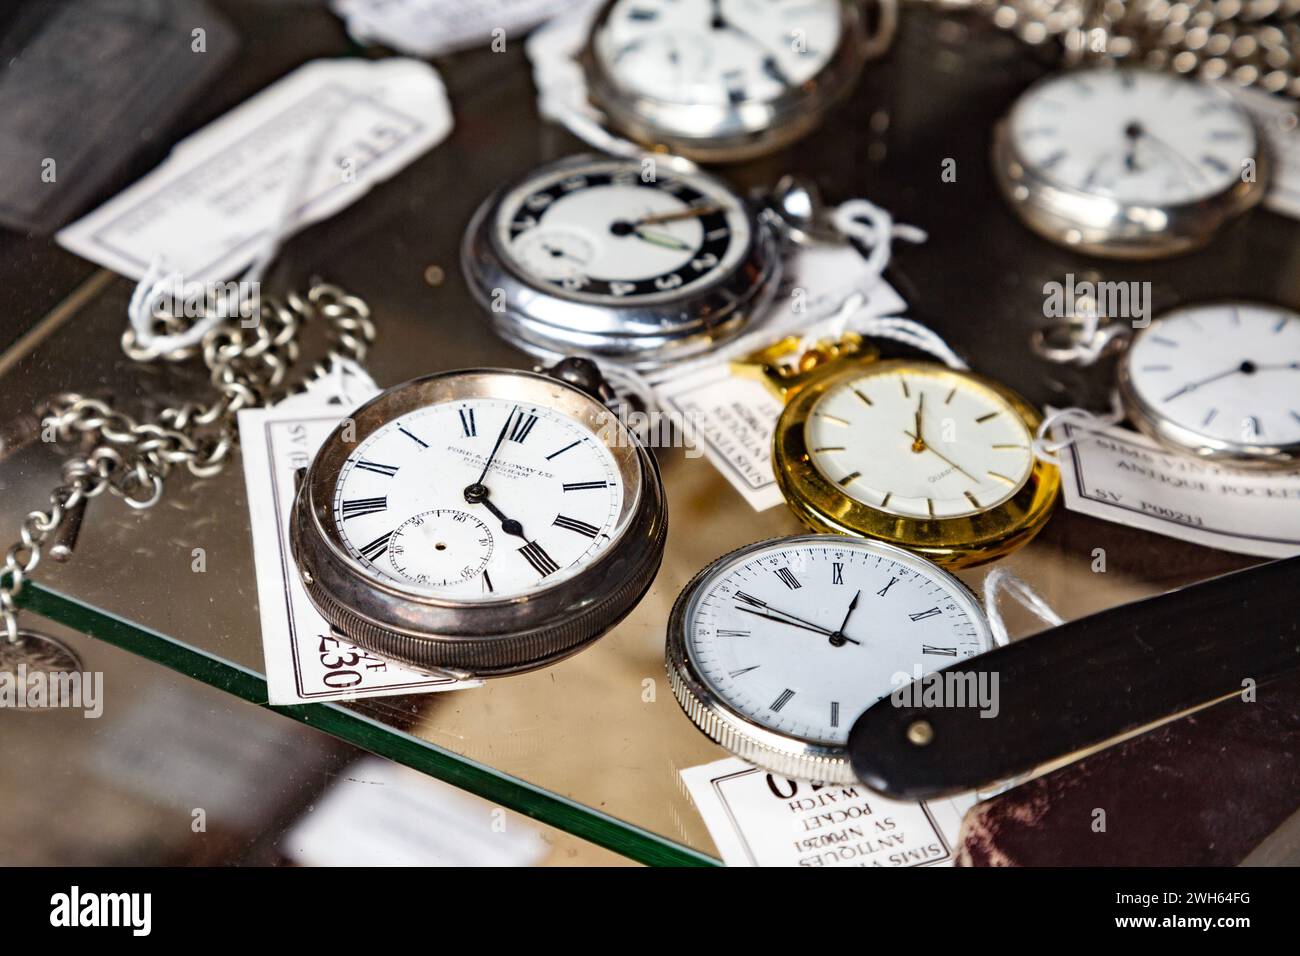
(663, 240)
(478, 495)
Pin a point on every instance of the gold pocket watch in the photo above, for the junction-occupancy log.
(912, 453)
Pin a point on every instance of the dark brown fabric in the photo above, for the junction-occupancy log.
(1204, 790)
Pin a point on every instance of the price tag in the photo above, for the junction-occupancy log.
(761, 819)
(437, 27)
(299, 151)
(1118, 475)
(305, 660)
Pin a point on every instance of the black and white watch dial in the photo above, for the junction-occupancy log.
(632, 261)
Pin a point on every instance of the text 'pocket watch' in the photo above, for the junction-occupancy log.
(1219, 381)
(638, 262)
(1128, 162)
(913, 453)
(775, 649)
(484, 521)
(726, 80)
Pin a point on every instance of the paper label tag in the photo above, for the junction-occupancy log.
(305, 661)
(299, 151)
(734, 417)
(760, 819)
(383, 814)
(1121, 476)
(553, 50)
(1276, 116)
(435, 27)
(733, 420)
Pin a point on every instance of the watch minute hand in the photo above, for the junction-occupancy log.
(693, 213)
(500, 438)
(945, 459)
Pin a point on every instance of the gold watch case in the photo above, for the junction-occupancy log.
(953, 542)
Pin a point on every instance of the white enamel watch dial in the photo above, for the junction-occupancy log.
(606, 233)
(777, 648)
(484, 521)
(1138, 136)
(718, 52)
(727, 80)
(1128, 161)
(1220, 380)
(401, 508)
(920, 442)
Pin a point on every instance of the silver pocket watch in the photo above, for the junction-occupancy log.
(483, 522)
(727, 80)
(1220, 381)
(635, 261)
(1216, 380)
(775, 649)
(1129, 162)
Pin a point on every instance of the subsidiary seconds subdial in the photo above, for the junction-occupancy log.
(441, 548)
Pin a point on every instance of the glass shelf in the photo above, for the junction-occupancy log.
(593, 745)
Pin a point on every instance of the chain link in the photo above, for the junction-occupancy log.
(249, 364)
(1251, 42)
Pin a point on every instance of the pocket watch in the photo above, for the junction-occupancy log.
(484, 521)
(914, 453)
(1219, 381)
(1129, 162)
(726, 80)
(635, 261)
(776, 648)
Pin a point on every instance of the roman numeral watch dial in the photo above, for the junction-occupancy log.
(481, 521)
(1129, 162)
(1220, 381)
(913, 453)
(774, 650)
(725, 80)
(619, 259)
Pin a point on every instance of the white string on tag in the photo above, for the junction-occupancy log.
(562, 98)
(158, 282)
(1047, 448)
(1081, 339)
(877, 232)
(875, 228)
(1000, 581)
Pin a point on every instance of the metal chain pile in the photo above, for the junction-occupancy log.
(1251, 42)
(249, 365)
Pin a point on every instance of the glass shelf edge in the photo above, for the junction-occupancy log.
(483, 781)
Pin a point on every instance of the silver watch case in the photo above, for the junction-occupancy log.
(1110, 228)
(1152, 423)
(480, 638)
(768, 749)
(737, 132)
(550, 323)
